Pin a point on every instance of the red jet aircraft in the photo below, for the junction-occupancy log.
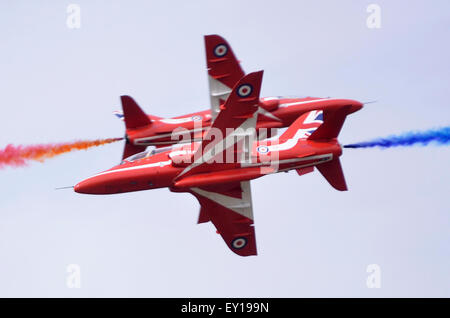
(218, 169)
(224, 72)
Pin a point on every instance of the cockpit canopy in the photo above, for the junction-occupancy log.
(145, 154)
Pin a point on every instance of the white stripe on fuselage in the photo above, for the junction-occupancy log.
(306, 102)
(149, 165)
(290, 143)
(141, 141)
(173, 121)
(328, 156)
(168, 162)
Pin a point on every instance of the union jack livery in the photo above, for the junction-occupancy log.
(217, 167)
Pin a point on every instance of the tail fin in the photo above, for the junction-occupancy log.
(134, 116)
(332, 171)
(333, 121)
(304, 126)
(333, 118)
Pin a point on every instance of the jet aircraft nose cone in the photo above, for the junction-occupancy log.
(80, 187)
(87, 187)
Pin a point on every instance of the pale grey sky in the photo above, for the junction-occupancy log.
(61, 84)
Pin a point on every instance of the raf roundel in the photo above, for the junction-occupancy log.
(197, 118)
(239, 243)
(244, 90)
(262, 149)
(220, 50)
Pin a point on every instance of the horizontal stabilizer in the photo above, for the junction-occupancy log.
(203, 216)
(332, 171)
(303, 171)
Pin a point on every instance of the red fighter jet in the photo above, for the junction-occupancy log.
(224, 72)
(218, 169)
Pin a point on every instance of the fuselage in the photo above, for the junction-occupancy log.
(165, 168)
(273, 112)
(170, 166)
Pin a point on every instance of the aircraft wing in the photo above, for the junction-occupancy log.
(233, 127)
(224, 71)
(229, 208)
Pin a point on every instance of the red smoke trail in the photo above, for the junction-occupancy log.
(17, 156)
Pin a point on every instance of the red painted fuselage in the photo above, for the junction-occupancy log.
(274, 112)
(163, 168)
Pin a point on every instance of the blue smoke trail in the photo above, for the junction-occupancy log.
(440, 136)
